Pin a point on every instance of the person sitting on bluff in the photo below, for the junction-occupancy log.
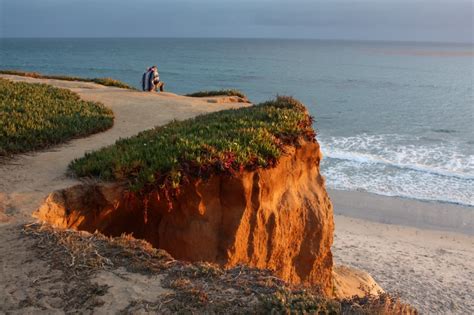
(151, 80)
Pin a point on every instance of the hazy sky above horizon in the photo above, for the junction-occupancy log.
(414, 20)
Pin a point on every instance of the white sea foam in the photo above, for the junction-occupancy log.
(402, 166)
(397, 162)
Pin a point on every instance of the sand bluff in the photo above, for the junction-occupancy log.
(278, 218)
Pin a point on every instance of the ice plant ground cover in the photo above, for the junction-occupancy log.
(36, 116)
(220, 142)
(231, 92)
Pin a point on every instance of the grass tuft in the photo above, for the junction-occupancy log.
(101, 81)
(35, 116)
(231, 92)
(222, 142)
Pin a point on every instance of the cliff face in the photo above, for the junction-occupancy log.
(278, 218)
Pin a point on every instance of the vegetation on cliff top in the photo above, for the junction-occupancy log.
(221, 142)
(35, 116)
(232, 92)
(101, 81)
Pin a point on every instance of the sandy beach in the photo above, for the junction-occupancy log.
(422, 251)
(432, 270)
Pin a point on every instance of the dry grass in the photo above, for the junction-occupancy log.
(83, 253)
(196, 287)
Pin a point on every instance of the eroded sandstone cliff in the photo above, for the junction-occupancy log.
(278, 218)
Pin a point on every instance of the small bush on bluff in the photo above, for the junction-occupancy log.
(220, 142)
(218, 93)
(285, 301)
(35, 116)
(101, 81)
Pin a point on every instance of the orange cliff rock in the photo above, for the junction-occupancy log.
(278, 218)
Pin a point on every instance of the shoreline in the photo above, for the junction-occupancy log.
(426, 215)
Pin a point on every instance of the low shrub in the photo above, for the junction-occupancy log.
(285, 301)
(35, 116)
(218, 93)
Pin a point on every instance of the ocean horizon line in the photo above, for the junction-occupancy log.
(396, 41)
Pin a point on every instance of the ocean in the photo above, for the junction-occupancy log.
(392, 118)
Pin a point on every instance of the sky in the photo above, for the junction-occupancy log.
(405, 20)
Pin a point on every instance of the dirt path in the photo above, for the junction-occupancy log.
(27, 284)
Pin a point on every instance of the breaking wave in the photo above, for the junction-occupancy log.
(396, 165)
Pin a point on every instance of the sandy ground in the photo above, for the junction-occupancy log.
(433, 270)
(424, 251)
(402, 211)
